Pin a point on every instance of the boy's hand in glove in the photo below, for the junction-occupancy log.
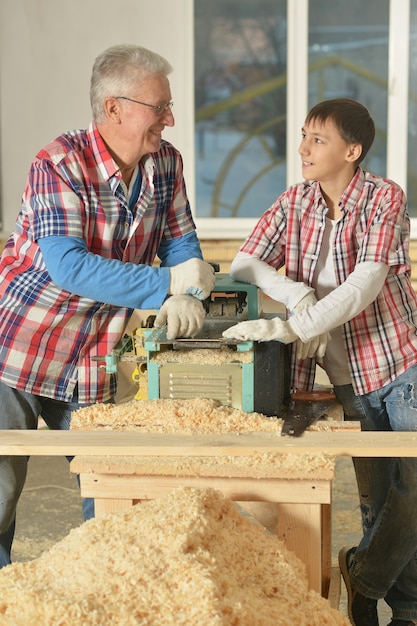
(274, 329)
(316, 347)
(184, 316)
(262, 330)
(192, 278)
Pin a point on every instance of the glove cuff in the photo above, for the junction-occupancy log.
(303, 292)
(294, 328)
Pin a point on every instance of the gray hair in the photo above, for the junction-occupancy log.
(115, 70)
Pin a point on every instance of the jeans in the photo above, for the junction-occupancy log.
(385, 563)
(20, 411)
(367, 470)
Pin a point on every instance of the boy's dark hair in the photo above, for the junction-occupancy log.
(351, 118)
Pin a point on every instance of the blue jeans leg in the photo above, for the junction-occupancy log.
(372, 473)
(385, 564)
(6, 540)
(57, 415)
(20, 411)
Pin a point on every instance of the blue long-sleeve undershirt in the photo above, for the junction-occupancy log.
(73, 268)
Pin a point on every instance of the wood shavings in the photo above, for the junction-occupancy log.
(185, 559)
(196, 416)
(203, 356)
(192, 416)
(259, 465)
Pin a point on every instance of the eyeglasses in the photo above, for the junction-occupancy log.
(158, 108)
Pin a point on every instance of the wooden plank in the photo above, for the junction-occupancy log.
(237, 489)
(129, 443)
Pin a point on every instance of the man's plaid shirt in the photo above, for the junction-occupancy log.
(49, 338)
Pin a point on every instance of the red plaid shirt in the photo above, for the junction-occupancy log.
(381, 342)
(48, 336)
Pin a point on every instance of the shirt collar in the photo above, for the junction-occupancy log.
(104, 160)
(106, 164)
(350, 196)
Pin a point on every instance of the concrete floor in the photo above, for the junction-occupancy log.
(50, 507)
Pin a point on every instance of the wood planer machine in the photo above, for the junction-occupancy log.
(247, 375)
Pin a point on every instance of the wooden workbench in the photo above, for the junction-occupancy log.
(309, 515)
(303, 502)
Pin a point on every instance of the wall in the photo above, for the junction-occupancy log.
(47, 48)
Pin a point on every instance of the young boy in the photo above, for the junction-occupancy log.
(343, 237)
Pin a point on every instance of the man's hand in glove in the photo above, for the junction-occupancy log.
(316, 347)
(192, 278)
(274, 329)
(184, 316)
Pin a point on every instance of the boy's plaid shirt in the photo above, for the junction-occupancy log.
(381, 342)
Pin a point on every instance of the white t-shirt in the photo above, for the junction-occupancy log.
(335, 361)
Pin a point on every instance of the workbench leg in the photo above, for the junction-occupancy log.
(300, 527)
(326, 548)
(103, 506)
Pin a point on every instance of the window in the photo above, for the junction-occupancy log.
(260, 66)
(240, 98)
(348, 58)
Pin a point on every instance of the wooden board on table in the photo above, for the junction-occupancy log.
(130, 443)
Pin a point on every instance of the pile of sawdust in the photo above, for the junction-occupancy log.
(188, 558)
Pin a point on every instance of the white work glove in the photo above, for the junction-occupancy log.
(308, 300)
(184, 316)
(192, 278)
(275, 329)
(316, 347)
(262, 330)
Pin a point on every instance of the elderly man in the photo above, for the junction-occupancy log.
(99, 206)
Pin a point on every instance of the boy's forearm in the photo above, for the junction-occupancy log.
(251, 269)
(343, 303)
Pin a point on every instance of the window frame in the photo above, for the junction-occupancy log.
(297, 102)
